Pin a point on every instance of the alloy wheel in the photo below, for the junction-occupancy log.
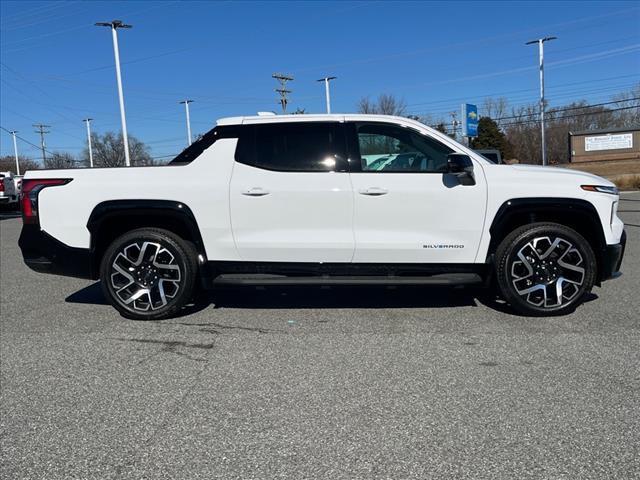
(145, 276)
(548, 272)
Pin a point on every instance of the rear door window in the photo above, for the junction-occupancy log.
(296, 147)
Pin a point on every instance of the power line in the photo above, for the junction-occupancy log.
(79, 27)
(519, 101)
(26, 141)
(470, 43)
(70, 120)
(526, 89)
(524, 122)
(17, 26)
(555, 110)
(19, 16)
(560, 63)
(562, 110)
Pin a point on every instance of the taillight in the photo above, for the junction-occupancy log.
(1, 184)
(29, 196)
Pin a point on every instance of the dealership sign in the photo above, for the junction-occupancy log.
(469, 120)
(608, 142)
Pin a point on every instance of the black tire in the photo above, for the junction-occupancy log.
(551, 279)
(166, 280)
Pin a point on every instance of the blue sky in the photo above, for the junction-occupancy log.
(57, 68)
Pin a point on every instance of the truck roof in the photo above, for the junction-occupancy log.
(335, 117)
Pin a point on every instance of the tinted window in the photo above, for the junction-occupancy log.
(194, 150)
(390, 148)
(298, 147)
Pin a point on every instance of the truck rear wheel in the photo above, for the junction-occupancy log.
(149, 273)
(545, 269)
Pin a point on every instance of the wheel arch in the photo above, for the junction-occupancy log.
(110, 219)
(580, 215)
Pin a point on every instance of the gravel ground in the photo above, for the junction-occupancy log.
(317, 383)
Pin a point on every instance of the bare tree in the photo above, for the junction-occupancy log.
(523, 133)
(59, 160)
(108, 151)
(521, 126)
(523, 129)
(495, 108)
(365, 105)
(8, 164)
(387, 104)
(390, 105)
(630, 100)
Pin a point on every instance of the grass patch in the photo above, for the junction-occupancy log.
(606, 168)
(628, 182)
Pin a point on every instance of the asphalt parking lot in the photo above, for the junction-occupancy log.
(318, 383)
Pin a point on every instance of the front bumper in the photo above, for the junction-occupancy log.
(44, 254)
(612, 259)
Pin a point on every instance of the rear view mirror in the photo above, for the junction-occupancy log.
(461, 166)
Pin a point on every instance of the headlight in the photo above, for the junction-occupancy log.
(601, 189)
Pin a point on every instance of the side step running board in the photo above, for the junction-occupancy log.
(266, 279)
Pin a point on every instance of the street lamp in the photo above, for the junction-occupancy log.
(186, 108)
(115, 25)
(15, 150)
(88, 122)
(326, 81)
(540, 43)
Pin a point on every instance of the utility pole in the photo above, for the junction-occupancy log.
(15, 151)
(88, 122)
(115, 25)
(283, 79)
(326, 81)
(186, 109)
(540, 43)
(41, 131)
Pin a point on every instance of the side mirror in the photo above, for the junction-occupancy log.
(461, 166)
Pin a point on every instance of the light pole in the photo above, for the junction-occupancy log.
(115, 25)
(540, 43)
(326, 81)
(186, 108)
(88, 122)
(15, 151)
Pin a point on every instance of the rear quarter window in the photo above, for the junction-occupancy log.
(193, 151)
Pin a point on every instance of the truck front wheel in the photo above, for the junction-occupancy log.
(149, 273)
(545, 269)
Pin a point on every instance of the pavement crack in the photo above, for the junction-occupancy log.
(228, 327)
(170, 346)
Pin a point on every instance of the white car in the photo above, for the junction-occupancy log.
(291, 200)
(8, 191)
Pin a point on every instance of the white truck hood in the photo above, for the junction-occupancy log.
(535, 180)
(557, 174)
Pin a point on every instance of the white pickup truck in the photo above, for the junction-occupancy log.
(302, 199)
(9, 188)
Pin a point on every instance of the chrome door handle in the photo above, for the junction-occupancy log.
(374, 191)
(255, 192)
